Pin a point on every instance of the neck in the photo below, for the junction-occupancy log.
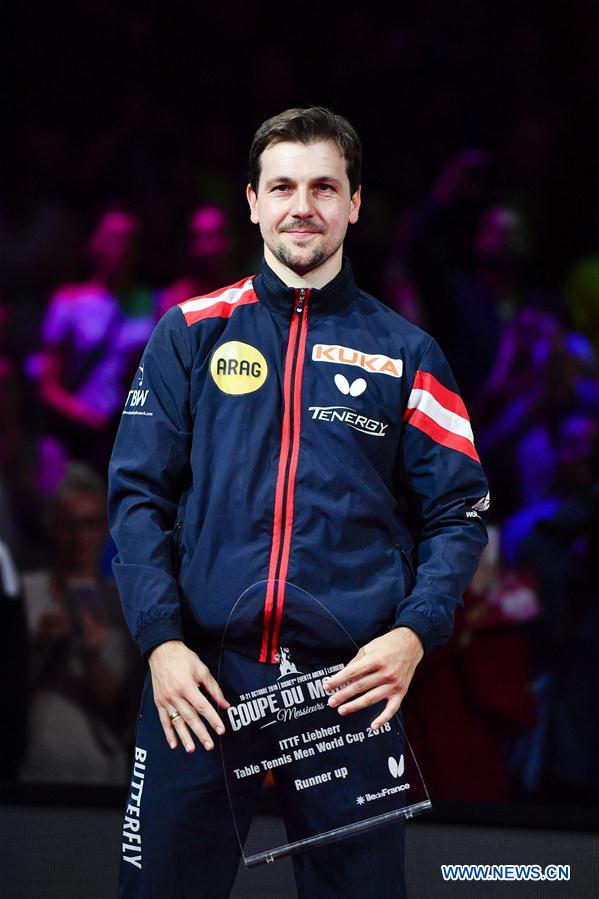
(316, 277)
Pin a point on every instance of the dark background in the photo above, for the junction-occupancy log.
(155, 106)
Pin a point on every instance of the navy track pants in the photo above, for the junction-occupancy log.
(179, 841)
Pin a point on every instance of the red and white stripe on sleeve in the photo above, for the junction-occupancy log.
(220, 303)
(440, 413)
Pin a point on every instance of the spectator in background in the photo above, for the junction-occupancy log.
(471, 699)
(562, 547)
(573, 483)
(93, 333)
(207, 262)
(540, 375)
(470, 293)
(84, 667)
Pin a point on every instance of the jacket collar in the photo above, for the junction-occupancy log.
(333, 297)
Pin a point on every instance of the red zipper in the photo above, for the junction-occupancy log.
(284, 493)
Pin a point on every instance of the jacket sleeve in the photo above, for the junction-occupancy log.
(148, 471)
(443, 483)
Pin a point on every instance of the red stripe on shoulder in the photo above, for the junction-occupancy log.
(423, 380)
(237, 285)
(220, 303)
(220, 309)
(440, 435)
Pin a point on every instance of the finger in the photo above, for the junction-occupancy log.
(356, 668)
(206, 710)
(167, 727)
(391, 709)
(190, 718)
(359, 685)
(211, 685)
(338, 677)
(366, 699)
(182, 731)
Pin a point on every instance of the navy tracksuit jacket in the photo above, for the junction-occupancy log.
(312, 436)
(304, 435)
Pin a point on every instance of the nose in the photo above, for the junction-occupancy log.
(302, 205)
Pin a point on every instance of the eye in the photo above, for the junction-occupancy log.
(278, 187)
(324, 186)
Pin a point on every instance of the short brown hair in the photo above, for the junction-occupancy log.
(306, 126)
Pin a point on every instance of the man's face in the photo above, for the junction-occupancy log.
(304, 204)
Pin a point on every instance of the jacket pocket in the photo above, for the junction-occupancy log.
(176, 554)
(144, 693)
(407, 568)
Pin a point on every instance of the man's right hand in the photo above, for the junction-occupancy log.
(177, 675)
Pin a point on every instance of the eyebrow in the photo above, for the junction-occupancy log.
(286, 179)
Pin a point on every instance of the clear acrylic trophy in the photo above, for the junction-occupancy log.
(333, 775)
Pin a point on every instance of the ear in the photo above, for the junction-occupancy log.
(354, 205)
(253, 203)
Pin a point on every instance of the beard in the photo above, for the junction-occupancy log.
(304, 261)
(297, 263)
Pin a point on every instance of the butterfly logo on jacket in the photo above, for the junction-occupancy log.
(356, 388)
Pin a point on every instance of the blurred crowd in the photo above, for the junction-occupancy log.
(512, 693)
(503, 710)
(68, 658)
(490, 250)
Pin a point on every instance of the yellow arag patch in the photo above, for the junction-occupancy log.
(237, 367)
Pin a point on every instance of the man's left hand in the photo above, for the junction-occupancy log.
(382, 669)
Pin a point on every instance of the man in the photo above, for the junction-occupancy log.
(287, 427)
(92, 334)
(83, 664)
